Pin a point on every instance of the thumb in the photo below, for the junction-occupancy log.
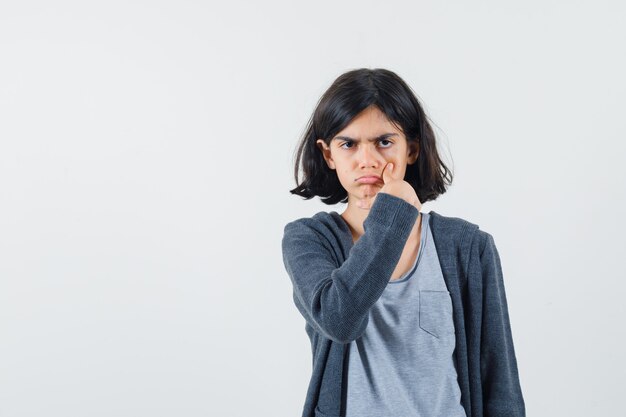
(387, 173)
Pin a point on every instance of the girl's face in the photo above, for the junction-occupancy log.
(364, 147)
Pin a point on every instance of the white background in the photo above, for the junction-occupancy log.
(146, 153)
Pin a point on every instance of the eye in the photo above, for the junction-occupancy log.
(352, 143)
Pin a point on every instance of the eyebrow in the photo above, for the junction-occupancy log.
(381, 137)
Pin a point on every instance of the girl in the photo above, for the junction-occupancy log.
(406, 311)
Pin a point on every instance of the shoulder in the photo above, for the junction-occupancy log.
(465, 233)
(323, 229)
(321, 223)
(324, 234)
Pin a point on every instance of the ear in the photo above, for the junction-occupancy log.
(413, 152)
(326, 153)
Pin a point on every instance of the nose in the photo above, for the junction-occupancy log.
(368, 157)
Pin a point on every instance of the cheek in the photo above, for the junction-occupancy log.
(346, 174)
(391, 153)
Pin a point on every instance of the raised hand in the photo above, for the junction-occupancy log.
(393, 185)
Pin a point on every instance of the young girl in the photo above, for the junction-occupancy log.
(406, 311)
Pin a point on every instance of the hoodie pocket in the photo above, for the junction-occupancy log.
(436, 313)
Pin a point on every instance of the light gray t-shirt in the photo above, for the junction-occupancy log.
(403, 365)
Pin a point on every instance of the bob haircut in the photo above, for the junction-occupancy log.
(350, 94)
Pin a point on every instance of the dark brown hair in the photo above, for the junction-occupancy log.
(350, 94)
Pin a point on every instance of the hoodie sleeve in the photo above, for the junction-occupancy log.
(335, 299)
(502, 394)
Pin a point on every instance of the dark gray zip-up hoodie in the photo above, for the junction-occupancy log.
(336, 282)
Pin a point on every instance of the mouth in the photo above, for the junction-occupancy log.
(368, 179)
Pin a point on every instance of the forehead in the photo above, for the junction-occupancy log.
(370, 124)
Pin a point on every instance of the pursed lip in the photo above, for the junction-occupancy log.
(369, 176)
(369, 179)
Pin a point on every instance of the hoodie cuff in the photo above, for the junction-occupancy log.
(391, 211)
